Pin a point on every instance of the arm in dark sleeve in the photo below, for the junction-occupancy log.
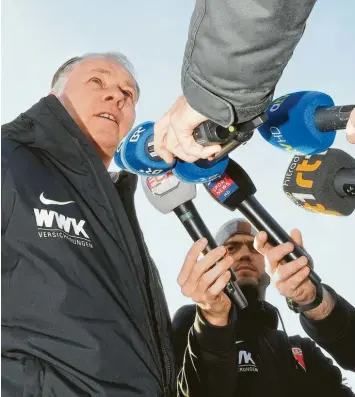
(236, 52)
(205, 355)
(324, 377)
(335, 333)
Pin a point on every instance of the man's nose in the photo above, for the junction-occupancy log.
(114, 94)
(244, 251)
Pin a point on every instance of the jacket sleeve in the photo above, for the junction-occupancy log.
(335, 333)
(236, 52)
(323, 376)
(205, 355)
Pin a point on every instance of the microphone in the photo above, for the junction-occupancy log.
(323, 183)
(235, 190)
(136, 154)
(304, 122)
(167, 193)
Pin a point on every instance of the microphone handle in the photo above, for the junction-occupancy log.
(332, 118)
(262, 220)
(344, 182)
(197, 229)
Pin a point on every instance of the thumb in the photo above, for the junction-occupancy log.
(350, 128)
(297, 237)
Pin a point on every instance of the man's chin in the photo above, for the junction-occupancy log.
(247, 280)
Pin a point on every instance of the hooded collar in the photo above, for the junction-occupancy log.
(258, 316)
(48, 126)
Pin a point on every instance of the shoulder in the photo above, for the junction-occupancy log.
(184, 317)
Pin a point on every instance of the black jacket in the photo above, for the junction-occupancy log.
(83, 310)
(236, 52)
(335, 333)
(250, 358)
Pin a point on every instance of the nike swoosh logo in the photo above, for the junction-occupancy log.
(52, 202)
(239, 341)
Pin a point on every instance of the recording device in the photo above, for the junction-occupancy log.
(136, 152)
(167, 193)
(323, 183)
(235, 190)
(210, 133)
(304, 122)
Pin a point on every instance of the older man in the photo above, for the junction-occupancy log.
(83, 311)
(233, 354)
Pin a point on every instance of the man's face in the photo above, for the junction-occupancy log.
(248, 264)
(100, 95)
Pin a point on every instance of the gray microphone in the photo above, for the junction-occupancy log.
(167, 193)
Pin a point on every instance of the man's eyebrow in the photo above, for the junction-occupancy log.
(105, 71)
(100, 70)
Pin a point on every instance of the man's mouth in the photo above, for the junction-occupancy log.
(108, 116)
(246, 267)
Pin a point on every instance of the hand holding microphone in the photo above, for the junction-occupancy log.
(235, 190)
(290, 278)
(167, 143)
(200, 280)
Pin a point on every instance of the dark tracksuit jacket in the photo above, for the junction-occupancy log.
(250, 358)
(83, 309)
(335, 333)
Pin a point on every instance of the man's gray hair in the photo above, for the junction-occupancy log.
(61, 75)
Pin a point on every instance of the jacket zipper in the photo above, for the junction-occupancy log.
(161, 334)
(131, 257)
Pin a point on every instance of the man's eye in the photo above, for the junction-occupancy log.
(128, 93)
(97, 81)
(251, 247)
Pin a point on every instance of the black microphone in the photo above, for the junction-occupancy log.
(167, 193)
(332, 118)
(235, 190)
(322, 183)
(344, 182)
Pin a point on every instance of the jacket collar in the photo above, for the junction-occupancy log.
(48, 126)
(255, 319)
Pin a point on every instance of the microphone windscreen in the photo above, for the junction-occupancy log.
(309, 182)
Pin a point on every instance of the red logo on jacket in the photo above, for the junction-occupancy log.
(298, 355)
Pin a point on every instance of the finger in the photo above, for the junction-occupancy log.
(297, 237)
(190, 260)
(173, 146)
(291, 287)
(184, 120)
(275, 255)
(214, 291)
(191, 147)
(210, 277)
(161, 128)
(350, 127)
(201, 267)
(184, 117)
(284, 272)
(260, 243)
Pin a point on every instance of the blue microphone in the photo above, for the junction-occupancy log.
(304, 122)
(136, 154)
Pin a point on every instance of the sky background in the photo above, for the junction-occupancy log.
(39, 35)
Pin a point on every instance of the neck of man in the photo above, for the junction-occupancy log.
(251, 293)
(106, 158)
